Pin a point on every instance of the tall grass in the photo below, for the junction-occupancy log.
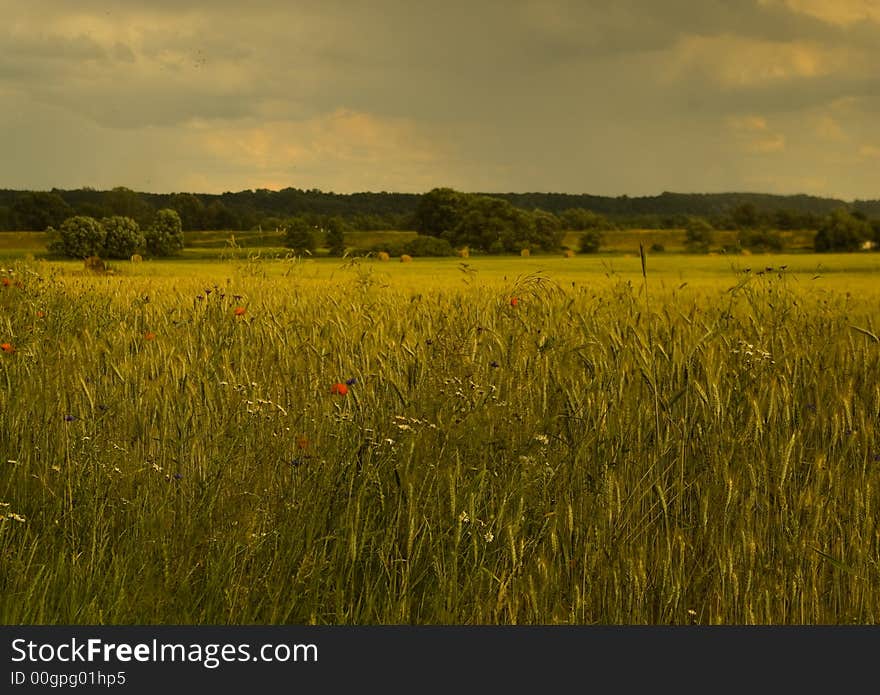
(578, 456)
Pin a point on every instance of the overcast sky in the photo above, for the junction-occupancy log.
(607, 97)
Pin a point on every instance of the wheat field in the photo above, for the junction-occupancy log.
(503, 441)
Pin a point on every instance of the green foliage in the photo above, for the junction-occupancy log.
(123, 237)
(745, 216)
(78, 237)
(761, 239)
(439, 211)
(128, 203)
(842, 231)
(300, 237)
(590, 241)
(428, 246)
(164, 237)
(39, 211)
(547, 231)
(580, 219)
(698, 235)
(336, 228)
(486, 223)
(491, 224)
(190, 208)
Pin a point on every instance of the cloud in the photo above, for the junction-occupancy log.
(595, 96)
(343, 150)
(829, 128)
(838, 12)
(754, 134)
(735, 61)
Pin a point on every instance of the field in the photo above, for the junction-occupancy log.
(208, 245)
(490, 441)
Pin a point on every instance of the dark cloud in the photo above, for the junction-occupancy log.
(551, 94)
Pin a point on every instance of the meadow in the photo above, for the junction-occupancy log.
(245, 439)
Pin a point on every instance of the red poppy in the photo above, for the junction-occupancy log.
(339, 389)
(514, 301)
(302, 442)
(41, 314)
(239, 311)
(149, 335)
(6, 282)
(7, 348)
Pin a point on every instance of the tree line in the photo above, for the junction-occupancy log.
(446, 220)
(267, 210)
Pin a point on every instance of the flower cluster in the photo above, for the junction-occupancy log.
(752, 355)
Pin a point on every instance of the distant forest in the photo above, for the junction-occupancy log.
(266, 209)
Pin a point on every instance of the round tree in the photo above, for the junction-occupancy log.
(590, 241)
(164, 237)
(699, 235)
(842, 231)
(124, 237)
(79, 237)
(300, 237)
(336, 231)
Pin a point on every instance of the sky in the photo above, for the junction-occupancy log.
(607, 97)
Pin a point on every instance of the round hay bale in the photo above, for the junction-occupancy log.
(746, 252)
(525, 253)
(464, 253)
(94, 264)
(136, 258)
(569, 253)
(406, 258)
(383, 256)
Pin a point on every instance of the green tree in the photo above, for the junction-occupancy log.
(300, 237)
(38, 211)
(428, 246)
(581, 219)
(745, 216)
(219, 216)
(439, 211)
(546, 230)
(698, 235)
(590, 241)
(491, 224)
(191, 210)
(164, 236)
(123, 237)
(127, 203)
(842, 231)
(78, 237)
(762, 239)
(336, 230)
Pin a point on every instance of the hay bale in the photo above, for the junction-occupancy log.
(383, 256)
(746, 252)
(406, 258)
(464, 253)
(136, 258)
(94, 264)
(569, 253)
(525, 253)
